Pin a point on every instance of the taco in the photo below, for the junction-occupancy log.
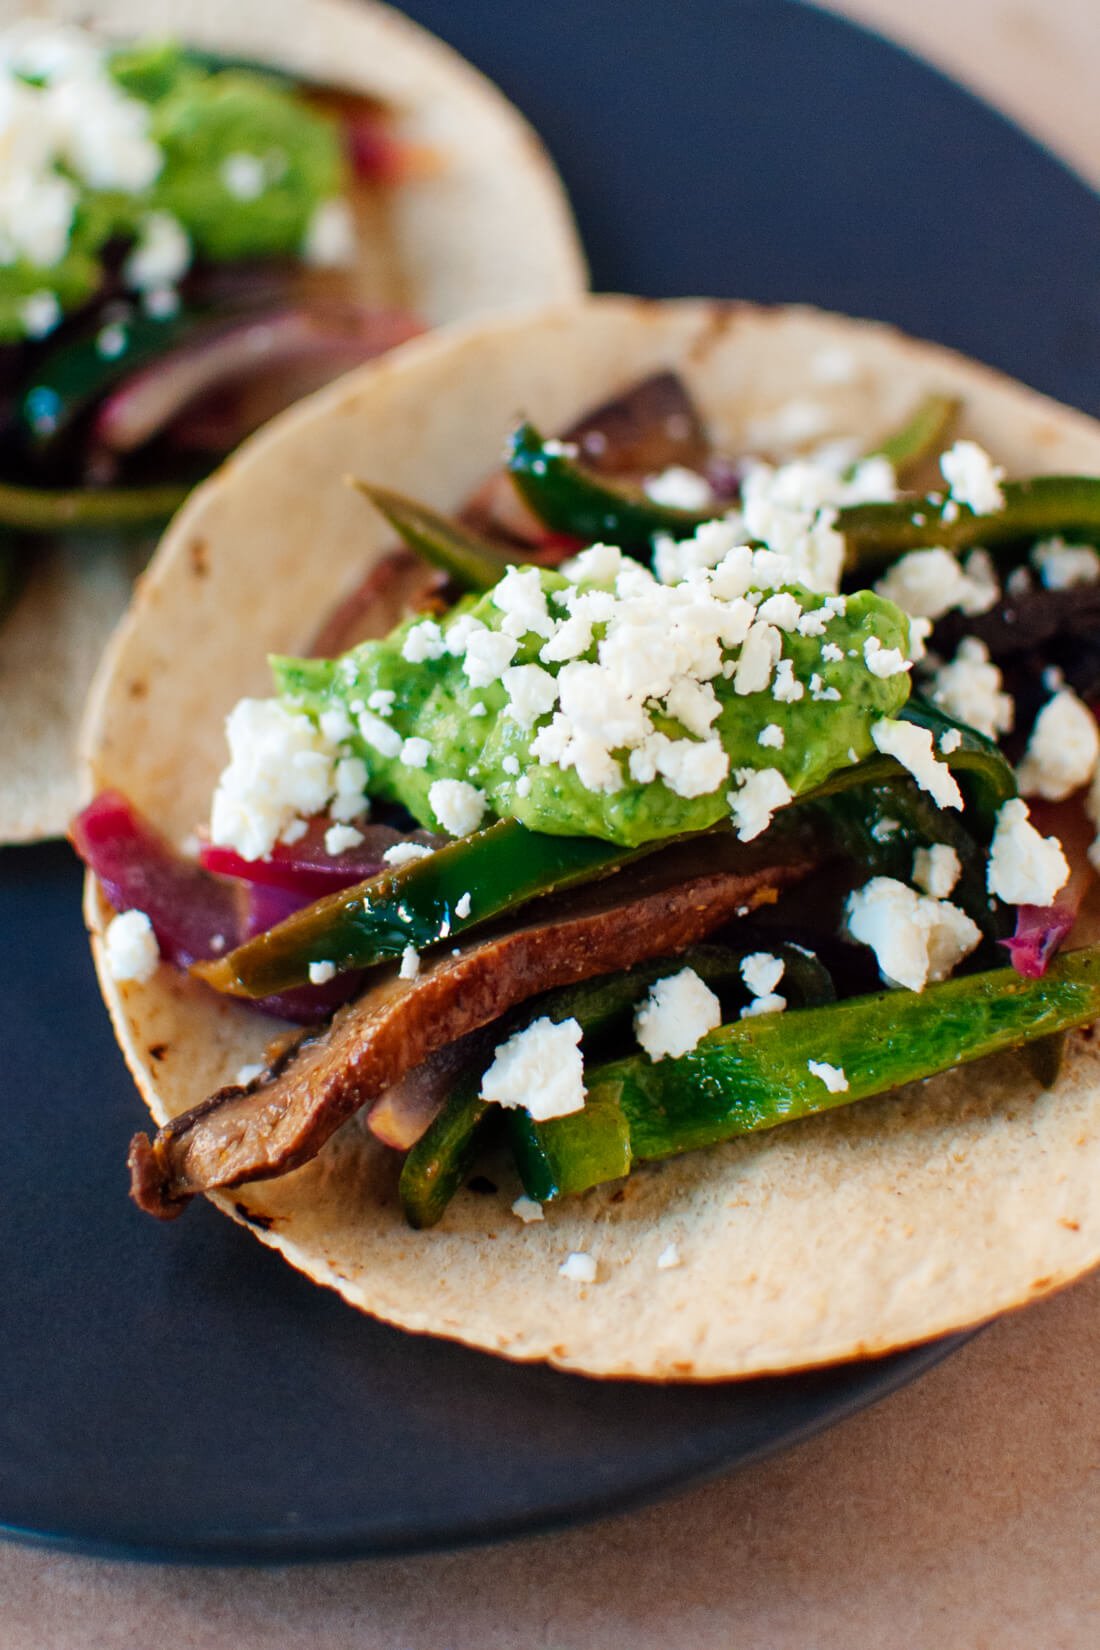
(661, 791)
(212, 210)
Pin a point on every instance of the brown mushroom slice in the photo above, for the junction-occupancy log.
(283, 1118)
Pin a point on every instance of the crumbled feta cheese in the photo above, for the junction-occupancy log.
(669, 1258)
(379, 734)
(771, 737)
(382, 700)
(936, 869)
(832, 1076)
(970, 689)
(39, 313)
(539, 1069)
(926, 584)
(1024, 868)
(762, 792)
(950, 740)
(281, 767)
(402, 852)
(161, 254)
(423, 642)
(1063, 750)
(578, 1267)
(415, 752)
(759, 655)
(410, 963)
(884, 661)
(787, 689)
(463, 904)
(913, 748)
(488, 654)
(510, 764)
(973, 479)
(677, 1012)
(248, 1074)
(320, 973)
(762, 972)
(772, 1003)
(480, 709)
(330, 239)
(831, 654)
(815, 621)
(527, 1210)
(339, 838)
(523, 785)
(679, 489)
(883, 829)
(130, 947)
(243, 176)
(1063, 566)
(160, 302)
(599, 564)
(519, 597)
(458, 806)
(781, 610)
(532, 692)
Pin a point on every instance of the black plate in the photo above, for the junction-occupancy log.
(179, 1392)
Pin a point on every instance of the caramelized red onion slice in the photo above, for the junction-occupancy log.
(306, 868)
(195, 915)
(224, 357)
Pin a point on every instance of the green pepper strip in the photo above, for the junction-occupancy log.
(439, 1162)
(414, 904)
(877, 533)
(45, 510)
(470, 561)
(923, 435)
(755, 1074)
(568, 499)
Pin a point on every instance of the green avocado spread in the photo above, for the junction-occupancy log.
(407, 706)
(113, 147)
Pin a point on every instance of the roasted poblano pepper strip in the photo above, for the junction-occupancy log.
(415, 904)
(570, 499)
(921, 437)
(470, 561)
(755, 1074)
(436, 1166)
(71, 509)
(876, 534)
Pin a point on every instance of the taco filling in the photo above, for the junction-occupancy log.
(691, 793)
(179, 242)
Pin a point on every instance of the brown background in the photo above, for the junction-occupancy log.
(961, 1514)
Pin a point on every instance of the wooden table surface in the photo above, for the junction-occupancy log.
(960, 1514)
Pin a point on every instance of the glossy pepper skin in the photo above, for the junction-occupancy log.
(470, 562)
(437, 1164)
(70, 509)
(755, 1074)
(875, 534)
(921, 437)
(415, 904)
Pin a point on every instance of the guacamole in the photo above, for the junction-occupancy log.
(161, 153)
(413, 718)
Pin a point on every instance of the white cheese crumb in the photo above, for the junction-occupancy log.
(970, 689)
(884, 661)
(281, 767)
(161, 254)
(379, 734)
(463, 904)
(410, 963)
(950, 741)
(831, 654)
(915, 938)
(762, 972)
(330, 239)
(457, 805)
(480, 709)
(248, 1074)
(832, 1076)
(679, 489)
(527, 1210)
(936, 869)
(131, 950)
(781, 610)
(532, 692)
(772, 1003)
(320, 973)
(487, 655)
(1063, 566)
(787, 689)
(677, 1012)
(973, 478)
(763, 791)
(423, 642)
(912, 747)
(540, 1069)
(759, 656)
(381, 700)
(578, 1267)
(339, 838)
(771, 737)
(1063, 750)
(402, 852)
(39, 314)
(926, 584)
(1025, 868)
(243, 176)
(415, 752)
(669, 1258)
